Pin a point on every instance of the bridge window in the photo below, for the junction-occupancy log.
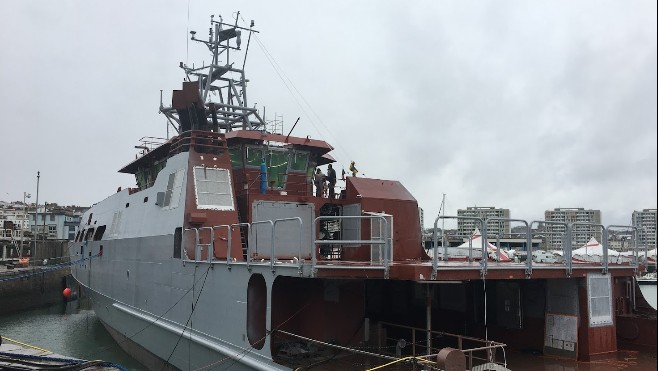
(254, 156)
(277, 168)
(298, 161)
(236, 157)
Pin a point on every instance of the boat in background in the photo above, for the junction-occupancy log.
(222, 257)
(647, 284)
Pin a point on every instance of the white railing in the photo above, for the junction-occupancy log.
(210, 246)
(199, 241)
(383, 240)
(194, 245)
(567, 263)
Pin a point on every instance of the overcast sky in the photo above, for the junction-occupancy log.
(522, 105)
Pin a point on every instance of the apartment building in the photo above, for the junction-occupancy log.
(584, 226)
(500, 228)
(645, 222)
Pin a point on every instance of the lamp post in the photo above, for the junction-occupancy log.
(36, 217)
(25, 196)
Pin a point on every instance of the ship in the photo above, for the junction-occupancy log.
(222, 256)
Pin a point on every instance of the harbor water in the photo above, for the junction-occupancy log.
(71, 329)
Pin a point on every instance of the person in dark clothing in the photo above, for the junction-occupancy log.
(331, 178)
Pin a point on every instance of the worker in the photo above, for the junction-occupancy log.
(331, 179)
(353, 169)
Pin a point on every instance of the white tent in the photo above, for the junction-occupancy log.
(592, 252)
(593, 248)
(476, 241)
(628, 256)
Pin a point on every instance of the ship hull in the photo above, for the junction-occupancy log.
(148, 334)
(191, 317)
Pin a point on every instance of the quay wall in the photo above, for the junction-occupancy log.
(28, 288)
(39, 284)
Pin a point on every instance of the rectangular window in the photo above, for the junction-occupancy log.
(89, 234)
(212, 187)
(236, 157)
(599, 299)
(277, 168)
(298, 161)
(254, 156)
(99, 233)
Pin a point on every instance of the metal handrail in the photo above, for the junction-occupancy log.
(528, 269)
(605, 241)
(566, 244)
(246, 240)
(435, 258)
(386, 241)
(228, 242)
(182, 245)
(271, 223)
(636, 261)
(296, 218)
(229, 228)
(488, 344)
(211, 245)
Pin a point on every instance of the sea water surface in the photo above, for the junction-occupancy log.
(70, 329)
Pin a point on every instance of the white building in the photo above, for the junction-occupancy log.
(13, 219)
(55, 224)
(645, 222)
(583, 228)
(465, 227)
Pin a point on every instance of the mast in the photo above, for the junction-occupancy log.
(221, 104)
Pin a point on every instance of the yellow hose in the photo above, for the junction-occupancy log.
(390, 363)
(25, 345)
